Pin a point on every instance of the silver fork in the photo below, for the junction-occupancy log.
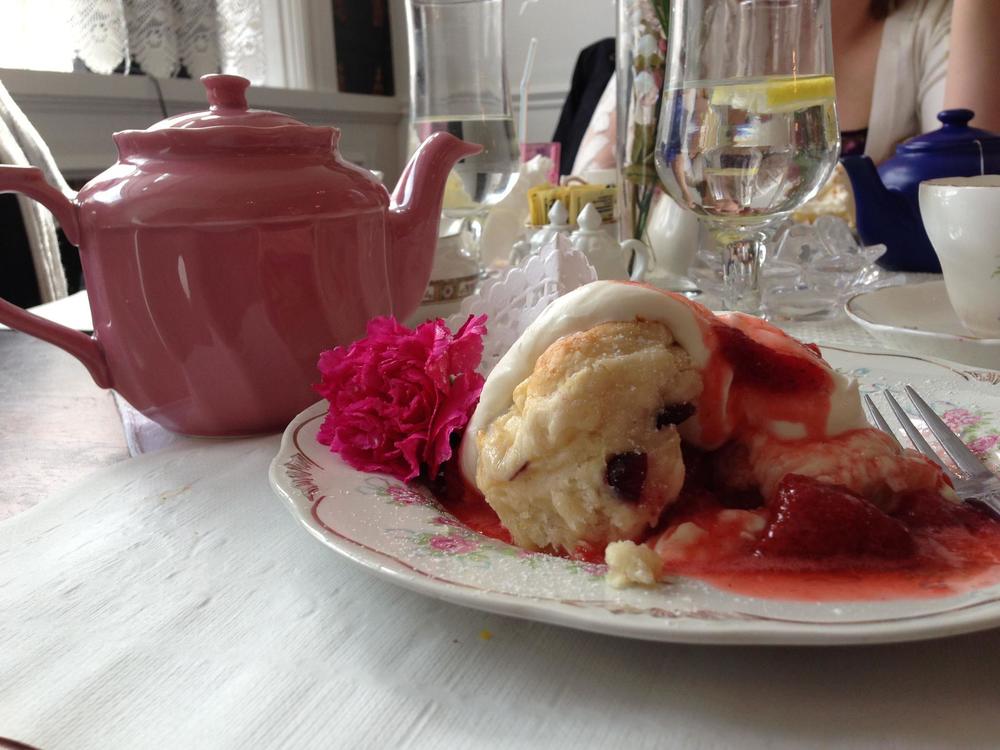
(976, 483)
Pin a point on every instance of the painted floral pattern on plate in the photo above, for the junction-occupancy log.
(977, 427)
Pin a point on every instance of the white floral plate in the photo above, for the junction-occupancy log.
(403, 535)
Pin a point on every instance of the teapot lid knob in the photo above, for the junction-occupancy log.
(959, 117)
(225, 91)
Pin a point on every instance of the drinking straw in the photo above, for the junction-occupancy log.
(528, 65)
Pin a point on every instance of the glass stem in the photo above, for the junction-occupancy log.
(476, 224)
(741, 262)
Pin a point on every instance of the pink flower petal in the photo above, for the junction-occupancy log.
(412, 447)
(452, 416)
(397, 396)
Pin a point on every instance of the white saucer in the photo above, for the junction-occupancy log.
(919, 318)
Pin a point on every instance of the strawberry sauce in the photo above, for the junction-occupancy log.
(757, 374)
(465, 502)
(932, 575)
(824, 543)
(949, 549)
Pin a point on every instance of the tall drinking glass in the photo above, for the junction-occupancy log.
(458, 84)
(748, 130)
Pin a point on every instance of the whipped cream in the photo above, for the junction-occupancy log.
(692, 327)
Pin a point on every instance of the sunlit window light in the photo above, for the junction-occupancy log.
(36, 35)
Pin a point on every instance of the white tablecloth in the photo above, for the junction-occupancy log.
(171, 601)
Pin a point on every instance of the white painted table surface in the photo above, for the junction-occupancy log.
(172, 601)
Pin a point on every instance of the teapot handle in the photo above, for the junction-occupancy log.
(31, 182)
(643, 262)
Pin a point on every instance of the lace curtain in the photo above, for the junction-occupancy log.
(163, 38)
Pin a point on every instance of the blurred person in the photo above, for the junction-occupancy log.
(900, 62)
(897, 64)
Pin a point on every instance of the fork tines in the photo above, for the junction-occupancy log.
(964, 458)
(959, 451)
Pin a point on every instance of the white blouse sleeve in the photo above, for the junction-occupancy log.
(931, 56)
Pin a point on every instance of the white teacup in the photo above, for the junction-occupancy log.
(962, 219)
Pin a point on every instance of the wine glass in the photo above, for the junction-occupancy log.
(458, 84)
(748, 128)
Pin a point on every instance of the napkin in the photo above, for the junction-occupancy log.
(143, 435)
(515, 297)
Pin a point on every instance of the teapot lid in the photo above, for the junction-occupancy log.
(955, 134)
(228, 125)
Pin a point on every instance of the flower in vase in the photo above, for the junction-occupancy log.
(649, 45)
(646, 94)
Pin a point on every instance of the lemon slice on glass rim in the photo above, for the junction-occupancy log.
(775, 95)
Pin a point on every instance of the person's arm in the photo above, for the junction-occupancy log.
(933, 45)
(974, 61)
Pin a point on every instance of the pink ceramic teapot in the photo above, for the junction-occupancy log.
(226, 249)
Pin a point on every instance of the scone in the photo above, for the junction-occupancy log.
(576, 441)
(588, 451)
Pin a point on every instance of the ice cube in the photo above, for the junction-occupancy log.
(848, 263)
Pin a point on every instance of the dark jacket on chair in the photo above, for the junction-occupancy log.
(594, 68)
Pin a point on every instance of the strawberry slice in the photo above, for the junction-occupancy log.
(814, 520)
(765, 368)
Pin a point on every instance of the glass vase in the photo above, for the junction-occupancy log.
(641, 62)
(646, 212)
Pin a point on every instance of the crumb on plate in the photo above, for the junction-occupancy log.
(630, 563)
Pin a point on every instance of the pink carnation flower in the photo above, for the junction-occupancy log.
(397, 396)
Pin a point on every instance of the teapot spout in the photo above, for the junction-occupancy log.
(887, 216)
(878, 208)
(414, 217)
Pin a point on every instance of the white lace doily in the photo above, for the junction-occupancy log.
(152, 36)
(514, 299)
